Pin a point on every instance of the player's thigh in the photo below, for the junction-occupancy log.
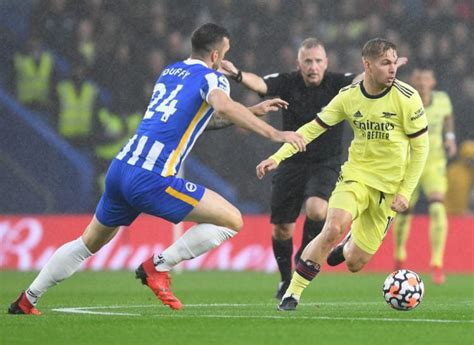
(370, 228)
(337, 222)
(350, 196)
(287, 193)
(343, 207)
(96, 235)
(214, 209)
(434, 181)
(434, 178)
(113, 209)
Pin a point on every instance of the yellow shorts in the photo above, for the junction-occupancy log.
(433, 178)
(370, 209)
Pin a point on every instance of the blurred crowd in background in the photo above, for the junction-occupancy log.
(97, 62)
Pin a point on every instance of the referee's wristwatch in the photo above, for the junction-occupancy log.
(238, 76)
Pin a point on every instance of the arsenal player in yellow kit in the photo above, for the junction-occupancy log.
(433, 180)
(386, 158)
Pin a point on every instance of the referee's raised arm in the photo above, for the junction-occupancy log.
(248, 79)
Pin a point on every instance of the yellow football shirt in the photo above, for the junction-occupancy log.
(436, 113)
(383, 125)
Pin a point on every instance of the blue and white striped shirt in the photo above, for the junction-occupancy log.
(176, 116)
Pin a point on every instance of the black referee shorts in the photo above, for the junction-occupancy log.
(294, 182)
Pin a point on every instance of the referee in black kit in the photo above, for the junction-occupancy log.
(308, 176)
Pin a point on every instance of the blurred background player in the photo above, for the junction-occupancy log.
(142, 177)
(386, 159)
(433, 181)
(308, 177)
(461, 181)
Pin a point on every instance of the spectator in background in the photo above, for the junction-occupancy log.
(278, 24)
(119, 75)
(53, 21)
(85, 44)
(154, 62)
(77, 99)
(34, 77)
(113, 131)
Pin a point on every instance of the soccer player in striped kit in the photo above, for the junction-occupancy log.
(142, 177)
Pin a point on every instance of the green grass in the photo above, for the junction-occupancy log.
(228, 308)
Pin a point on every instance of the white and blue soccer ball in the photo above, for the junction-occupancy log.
(403, 290)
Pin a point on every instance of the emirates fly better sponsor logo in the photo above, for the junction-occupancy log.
(373, 129)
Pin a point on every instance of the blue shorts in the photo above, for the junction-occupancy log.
(131, 190)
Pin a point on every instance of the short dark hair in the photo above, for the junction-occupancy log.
(377, 47)
(206, 38)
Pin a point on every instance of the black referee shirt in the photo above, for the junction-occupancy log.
(304, 103)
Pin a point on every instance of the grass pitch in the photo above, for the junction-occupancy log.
(228, 308)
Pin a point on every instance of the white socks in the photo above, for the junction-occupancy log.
(68, 258)
(65, 261)
(198, 240)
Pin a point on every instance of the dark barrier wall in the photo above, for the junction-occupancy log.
(39, 171)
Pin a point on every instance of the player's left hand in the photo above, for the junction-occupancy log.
(402, 60)
(269, 105)
(264, 166)
(399, 203)
(451, 148)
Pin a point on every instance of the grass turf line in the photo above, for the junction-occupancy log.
(237, 308)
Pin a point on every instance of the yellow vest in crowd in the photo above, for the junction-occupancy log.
(76, 109)
(118, 130)
(33, 80)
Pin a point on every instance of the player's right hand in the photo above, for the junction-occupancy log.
(264, 166)
(294, 139)
(227, 68)
(399, 203)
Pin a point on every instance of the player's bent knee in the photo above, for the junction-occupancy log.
(316, 215)
(316, 210)
(235, 221)
(282, 232)
(355, 262)
(354, 266)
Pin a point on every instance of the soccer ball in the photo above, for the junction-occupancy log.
(403, 290)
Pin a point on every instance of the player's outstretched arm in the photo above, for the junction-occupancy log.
(218, 121)
(249, 80)
(309, 131)
(242, 117)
